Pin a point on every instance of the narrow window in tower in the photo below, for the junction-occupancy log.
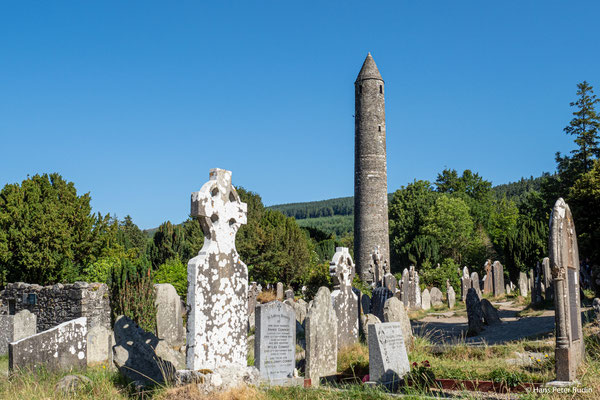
(379, 128)
(360, 89)
(380, 89)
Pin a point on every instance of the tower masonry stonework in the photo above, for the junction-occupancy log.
(370, 170)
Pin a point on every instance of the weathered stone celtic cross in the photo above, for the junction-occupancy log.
(217, 279)
(564, 262)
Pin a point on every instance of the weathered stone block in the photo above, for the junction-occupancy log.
(16, 327)
(169, 315)
(60, 348)
(321, 337)
(99, 346)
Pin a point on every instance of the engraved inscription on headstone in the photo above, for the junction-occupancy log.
(388, 360)
(275, 340)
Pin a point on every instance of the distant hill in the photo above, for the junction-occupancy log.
(336, 215)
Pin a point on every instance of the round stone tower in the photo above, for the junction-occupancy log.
(370, 171)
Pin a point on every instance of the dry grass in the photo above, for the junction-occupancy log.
(354, 360)
(266, 296)
(191, 392)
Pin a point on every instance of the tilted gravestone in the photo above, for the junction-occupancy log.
(279, 293)
(465, 283)
(321, 338)
(394, 311)
(488, 284)
(523, 286)
(564, 263)
(275, 341)
(169, 315)
(217, 279)
(378, 299)
(498, 277)
(548, 283)
(300, 308)
(530, 281)
(345, 302)
(61, 348)
(490, 314)
(16, 327)
(436, 297)
(388, 360)
(474, 313)
(366, 321)
(425, 299)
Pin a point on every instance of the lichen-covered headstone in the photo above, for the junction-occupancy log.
(321, 337)
(474, 313)
(523, 286)
(436, 297)
(378, 299)
(564, 263)
(377, 267)
(217, 279)
(367, 320)
(488, 281)
(414, 291)
(465, 283)
(275, 341)
(61, 348)
(388, 360)
(405, 287)
(498, 278)
(425, 300)
(345, 302)
(394, 312)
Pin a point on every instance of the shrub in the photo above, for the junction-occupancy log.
(173, 271)
(132, 293)
(436, 276)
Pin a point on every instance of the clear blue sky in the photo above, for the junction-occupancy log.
(136, 101)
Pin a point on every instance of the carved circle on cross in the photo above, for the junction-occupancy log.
(342, 267)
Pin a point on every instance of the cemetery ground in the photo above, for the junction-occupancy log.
(440, 350)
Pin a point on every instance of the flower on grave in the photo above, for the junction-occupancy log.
(365, 378)
(538, 360)
(546, 355)
(415, 364)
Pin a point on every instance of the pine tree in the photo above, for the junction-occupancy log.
(584, 126)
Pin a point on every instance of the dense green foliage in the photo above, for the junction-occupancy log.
(340, 225)
(47, 231)
(173, 271)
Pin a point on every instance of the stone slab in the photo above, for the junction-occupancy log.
(275, 341)
(58, 349)
(388, 360)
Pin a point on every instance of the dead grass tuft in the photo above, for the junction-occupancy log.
(191, 392)
(266, 296)
(354, 360)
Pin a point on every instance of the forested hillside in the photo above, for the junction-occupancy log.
(335, 215)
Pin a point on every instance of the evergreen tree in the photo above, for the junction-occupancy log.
(584, 126)
(47, 231)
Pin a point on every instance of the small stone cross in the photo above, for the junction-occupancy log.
(219, 210)
(341, 268)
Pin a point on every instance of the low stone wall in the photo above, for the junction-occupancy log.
(59, 303)
(61, 348)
